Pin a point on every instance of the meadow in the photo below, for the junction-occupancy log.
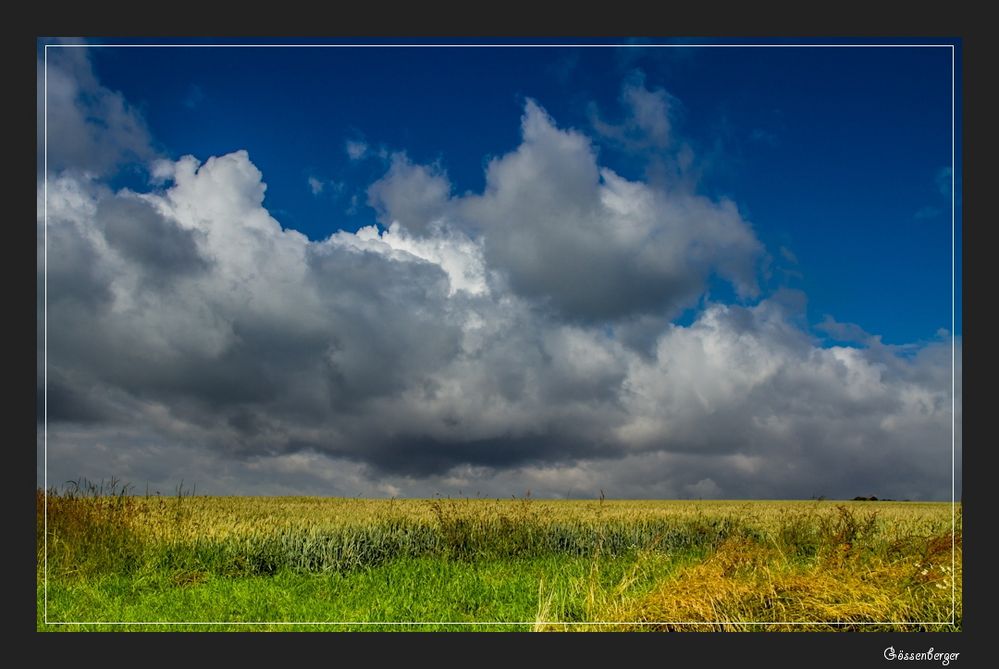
(114, 560)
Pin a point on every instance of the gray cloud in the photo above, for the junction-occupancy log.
(593, 246)
(647, 123)
(76, 278)
(356, 149)
(844, 332)
(520, 338)
(68, 402)
(90, 128)
(136, 230)
(413, 195)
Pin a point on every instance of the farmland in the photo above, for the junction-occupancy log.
(116, 559)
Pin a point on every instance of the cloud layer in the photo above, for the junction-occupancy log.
(518, 338)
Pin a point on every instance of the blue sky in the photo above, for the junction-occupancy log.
(837, 155)
(705, 272)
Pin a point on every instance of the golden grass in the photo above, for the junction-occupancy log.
(746, 585)
(222, 517)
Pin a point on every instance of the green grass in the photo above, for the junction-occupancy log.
(584, 565)
(431, 590)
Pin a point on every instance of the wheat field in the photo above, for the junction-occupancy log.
(115, 560)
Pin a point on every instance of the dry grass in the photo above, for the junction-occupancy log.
(694, 565)
(181, 517)
(855, 580)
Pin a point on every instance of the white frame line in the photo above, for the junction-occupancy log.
(953, 498)
(45, 372)
(501, 622)
(493, 46)
(953, 347)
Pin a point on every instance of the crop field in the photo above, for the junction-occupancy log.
(120, 561)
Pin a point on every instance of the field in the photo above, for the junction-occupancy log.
(219, 563)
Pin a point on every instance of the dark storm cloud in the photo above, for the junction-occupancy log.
(387, 323)
(142, 235)
(76, 274)
(420, 456)
(67, 403)
(512, 339)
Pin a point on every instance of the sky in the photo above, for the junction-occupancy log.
(680, 272)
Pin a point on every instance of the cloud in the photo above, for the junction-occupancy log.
(788, 255)
(133, 228)
(90, 128)
(356, 149)
(518, 338)
(414, 196)
(845, 332)
(647, 123)
(456, 254)
(592, 245)
(319, 186)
